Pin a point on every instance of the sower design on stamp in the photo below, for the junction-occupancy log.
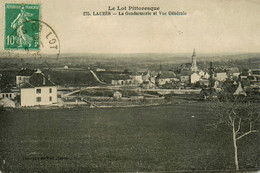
(21, 30)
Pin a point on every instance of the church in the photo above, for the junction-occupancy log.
(189, 70)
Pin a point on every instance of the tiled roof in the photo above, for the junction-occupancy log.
(27, 85)
(38, 80)
(25, 72)
(186, 65)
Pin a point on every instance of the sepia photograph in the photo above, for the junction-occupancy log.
(129, 86)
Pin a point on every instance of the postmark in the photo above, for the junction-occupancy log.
(30, 36)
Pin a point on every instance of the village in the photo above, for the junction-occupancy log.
(34, 88)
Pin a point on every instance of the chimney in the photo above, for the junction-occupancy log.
(43, 80)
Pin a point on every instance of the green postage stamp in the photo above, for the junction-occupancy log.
(22, 29)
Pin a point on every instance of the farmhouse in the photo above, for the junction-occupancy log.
(23, 76)
(39, 90)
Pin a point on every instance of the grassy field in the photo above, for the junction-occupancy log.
(159, 138)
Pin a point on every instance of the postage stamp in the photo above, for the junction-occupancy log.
(21, 29)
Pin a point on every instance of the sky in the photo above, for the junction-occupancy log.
(210, 26)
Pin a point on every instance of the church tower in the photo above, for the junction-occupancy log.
(194, 67)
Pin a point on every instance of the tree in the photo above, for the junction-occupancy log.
(237, 113)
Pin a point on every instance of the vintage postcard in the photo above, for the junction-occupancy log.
(129, 86)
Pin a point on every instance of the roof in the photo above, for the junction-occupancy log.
(120, 77)
(185, 73)
(233, 70)
(168, 74)
(186, 65)
(194, 73)
(255, 71)
(239, 90)
(117, 92)
(38, 80)
(27, 85)
(219, 71)
(153, 73)
(6, 90)
(25, 72)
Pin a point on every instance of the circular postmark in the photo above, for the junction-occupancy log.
(36, 39)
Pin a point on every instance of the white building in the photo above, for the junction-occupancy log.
(163, 81)
(38, 91)
(117, 95)
(122, 82)
(137, 79)
(201, 73)
(7, 93)
(220, 76)
(206, 75)
(195, 77)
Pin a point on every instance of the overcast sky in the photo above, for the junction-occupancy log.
(209, 26)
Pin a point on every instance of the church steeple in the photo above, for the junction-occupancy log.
(194, 54)
(194, 67)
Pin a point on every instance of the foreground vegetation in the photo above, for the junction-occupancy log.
(163, 138)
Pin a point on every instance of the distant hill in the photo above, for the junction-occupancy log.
(134, 62)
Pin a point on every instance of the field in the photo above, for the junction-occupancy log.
(158, 138)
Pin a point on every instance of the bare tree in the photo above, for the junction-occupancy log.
(237, 113)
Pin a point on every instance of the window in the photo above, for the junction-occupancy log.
(38, 99)
(50, 99)
(6, 95)
(38, 91)
(10, 95)
(50, 90)
(20, 78)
